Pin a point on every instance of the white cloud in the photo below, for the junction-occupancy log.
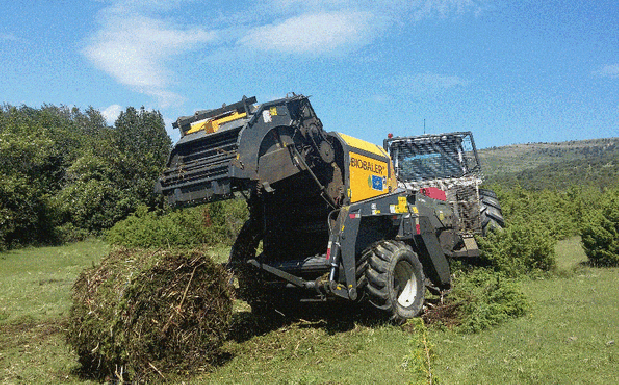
(416, 9)
(7, 37)
(111, 113)
(317, 33)
(315, 5)
(135, 44)
(608, 71)
(134, 49)
(326, 27)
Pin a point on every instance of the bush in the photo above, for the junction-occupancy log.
(215, 223)
(26, 216)
(68, 232)
(140, 314)
(600, 232)
(557, 213)
(485, 298)
(519, 249)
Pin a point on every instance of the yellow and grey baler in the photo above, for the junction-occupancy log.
(326, 207)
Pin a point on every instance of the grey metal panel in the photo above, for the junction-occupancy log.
(439, 267)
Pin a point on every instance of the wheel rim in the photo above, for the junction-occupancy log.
(405, 283)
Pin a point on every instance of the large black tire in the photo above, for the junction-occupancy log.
(249, 278)
(394, 280)
(263, 298)
(491, 215)
(488, 193)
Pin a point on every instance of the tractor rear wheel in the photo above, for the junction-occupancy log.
(254, 287)
(491, 215)
(394, 279)
(251, 288)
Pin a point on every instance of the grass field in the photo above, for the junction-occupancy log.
(570, 335)
(34, 299)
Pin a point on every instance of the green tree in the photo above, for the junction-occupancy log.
(30, 172)
(62, 170)
(93, 198)
(144, 146)
(116, 171)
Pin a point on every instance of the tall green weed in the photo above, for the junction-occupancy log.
(420, 358)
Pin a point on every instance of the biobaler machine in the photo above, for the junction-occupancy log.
(326, 207)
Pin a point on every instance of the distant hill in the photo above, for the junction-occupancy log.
(556, 165)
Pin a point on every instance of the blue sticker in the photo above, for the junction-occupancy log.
(377, 182)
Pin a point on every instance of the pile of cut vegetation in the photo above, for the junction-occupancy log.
(141, 314)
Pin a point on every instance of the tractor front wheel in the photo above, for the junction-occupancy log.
(395, 279)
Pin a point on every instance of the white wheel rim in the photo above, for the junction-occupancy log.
(405, 283)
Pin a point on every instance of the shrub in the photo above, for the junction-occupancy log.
(26, 215)
(519, 249)
(556, 212)
(600, 232)
(215, 223)
(485, 298)
(68, 232)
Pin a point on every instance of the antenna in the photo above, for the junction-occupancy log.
(424, 126)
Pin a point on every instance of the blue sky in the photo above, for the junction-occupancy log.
(510, 71)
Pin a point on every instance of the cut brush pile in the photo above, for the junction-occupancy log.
(141, 314)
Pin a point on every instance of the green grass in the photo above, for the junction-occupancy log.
(570, 255)
(307, 352)
(35, 282)
(570, 335)
(34, 299)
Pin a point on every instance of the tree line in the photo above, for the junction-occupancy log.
(66, 174)
(599, 170)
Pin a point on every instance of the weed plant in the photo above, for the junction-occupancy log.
(421, 357)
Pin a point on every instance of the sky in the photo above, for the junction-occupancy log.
(513, 71)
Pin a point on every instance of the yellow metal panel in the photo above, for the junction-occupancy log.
(368, 177)
(363, 145)
(212, 125)
(400, 208)
(198, 126)
(231, 117)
